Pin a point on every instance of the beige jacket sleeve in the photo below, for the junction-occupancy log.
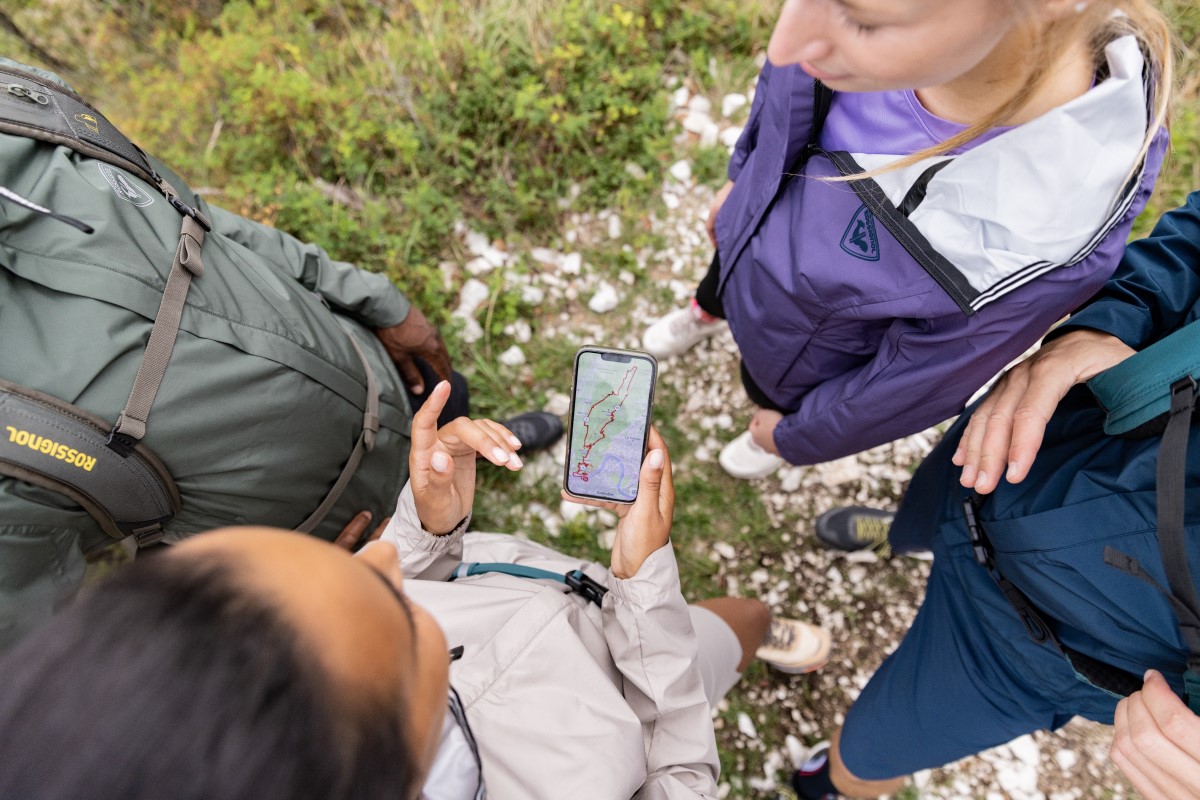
(422, 554)
(651, 639)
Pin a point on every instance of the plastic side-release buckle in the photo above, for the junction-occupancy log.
(579, 583)
(149, 536)
(976, 531)
(121, 443)
(188, 211)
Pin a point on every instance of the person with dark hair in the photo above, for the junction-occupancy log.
(254, 663)
(175, 681)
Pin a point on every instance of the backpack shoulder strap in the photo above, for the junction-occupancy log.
(1136, 394)
(1154, 392)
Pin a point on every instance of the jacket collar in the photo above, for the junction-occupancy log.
(1040, 195)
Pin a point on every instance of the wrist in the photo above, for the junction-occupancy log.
(440, 526)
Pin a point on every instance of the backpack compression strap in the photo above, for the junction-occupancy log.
(55, 445)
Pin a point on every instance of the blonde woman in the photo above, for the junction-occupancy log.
(923, 187)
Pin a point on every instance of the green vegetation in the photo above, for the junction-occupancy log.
(373, 126)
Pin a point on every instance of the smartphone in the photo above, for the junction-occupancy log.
(611, 400)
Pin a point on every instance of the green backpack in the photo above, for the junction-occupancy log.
(168, 367)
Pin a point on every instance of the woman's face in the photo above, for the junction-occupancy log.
(880, 45)
(351, 612)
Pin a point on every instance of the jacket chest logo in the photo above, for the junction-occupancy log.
(860, 239)
(125, 188)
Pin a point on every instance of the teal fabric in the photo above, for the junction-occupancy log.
(1139, 389)
(263, 398)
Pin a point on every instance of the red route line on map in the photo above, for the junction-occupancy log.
(587, 448)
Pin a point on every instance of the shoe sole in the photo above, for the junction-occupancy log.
(790, 670)
(750, 476)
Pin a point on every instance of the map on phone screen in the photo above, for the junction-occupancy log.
(612, 404)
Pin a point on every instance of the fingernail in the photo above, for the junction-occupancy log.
(655, 460)
(515, 461)
(957, 457)
(1013, 470)
(440, 462)
(968, 475)
(419, 389)
(514, 441)
(500, 454)
(982, 479)
(1149, 674)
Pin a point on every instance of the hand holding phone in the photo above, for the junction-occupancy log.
(611, 401)
(645, 525)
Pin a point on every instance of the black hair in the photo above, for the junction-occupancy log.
(170, 681)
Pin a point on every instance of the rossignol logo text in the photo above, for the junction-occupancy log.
(51, 448)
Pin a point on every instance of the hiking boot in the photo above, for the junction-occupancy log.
(742, 458)
(794, 647)
(679, 332)
(537, 430)
(811, 780)
(855, 528)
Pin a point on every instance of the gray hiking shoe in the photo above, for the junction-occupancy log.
(855, 528)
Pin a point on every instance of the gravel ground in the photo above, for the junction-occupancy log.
(867, 602)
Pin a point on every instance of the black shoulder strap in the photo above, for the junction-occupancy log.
(1170, 477)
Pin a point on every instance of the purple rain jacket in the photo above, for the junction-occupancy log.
(875, 308)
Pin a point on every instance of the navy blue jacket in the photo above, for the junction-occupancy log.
(1085, 490)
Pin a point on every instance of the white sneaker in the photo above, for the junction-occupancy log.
(679, 332)
(794, 647)
(742, 458)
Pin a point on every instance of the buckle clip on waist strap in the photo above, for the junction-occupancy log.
(576, 581)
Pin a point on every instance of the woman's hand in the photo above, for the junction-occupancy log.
(1156, 742)
(441, 463)
(644, 526)
(1007, 427)
(710, 224)
(762, 429)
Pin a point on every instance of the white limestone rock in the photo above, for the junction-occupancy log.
(512, 357)
(605, 299)
(732, 103)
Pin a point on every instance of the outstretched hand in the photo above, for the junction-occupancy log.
(441, 463)
(645, 525)
(1156, 742)
(1006, 429)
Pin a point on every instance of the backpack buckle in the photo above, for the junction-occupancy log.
(579, 583)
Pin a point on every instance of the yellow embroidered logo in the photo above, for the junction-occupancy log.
(90, 122)
(52, 448)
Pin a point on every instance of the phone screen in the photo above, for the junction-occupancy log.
(610, 419)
